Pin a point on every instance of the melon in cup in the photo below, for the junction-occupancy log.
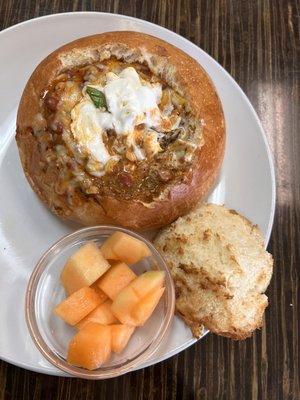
(132, 297)
(107, 302)
(144, 309)
(115, 279)
(100, 292)
(90, 347)
(75, 307)
(83, 268)
(123, 305)
(148, 282)
(101, 314)
(123, 247)
(120, 335)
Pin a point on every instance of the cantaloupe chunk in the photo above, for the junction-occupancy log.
(123, 304)
(144, 309)
(122, 247)
(83, 268)
(131, 295)
(100, 292)
(90, 347)
(101, 314)
(148, 282)
(78, 305)
(115, 279)
(120, 335)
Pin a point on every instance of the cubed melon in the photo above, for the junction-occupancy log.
(148, 282)
(83, 268)
(122, 247)
(120, 335)
(101, 314)
(78, 305)
(144, 309)
(115, 279)
(100, 292)
(123, 304)
(90, 347)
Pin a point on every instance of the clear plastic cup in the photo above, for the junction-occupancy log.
(51, 335)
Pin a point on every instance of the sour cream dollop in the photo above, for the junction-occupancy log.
(130, 102)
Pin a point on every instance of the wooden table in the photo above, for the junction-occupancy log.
(256, 41)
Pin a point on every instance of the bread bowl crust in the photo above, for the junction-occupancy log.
(204, 103)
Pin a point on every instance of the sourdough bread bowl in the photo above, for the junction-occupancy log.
(120, 128)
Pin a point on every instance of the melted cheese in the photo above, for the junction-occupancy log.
(87, 129)
(130, 102)
(131, 144)
(151, 144)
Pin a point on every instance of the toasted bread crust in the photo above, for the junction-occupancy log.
(178, 69)
(220, 269)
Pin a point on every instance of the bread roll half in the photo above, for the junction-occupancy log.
(220, 268)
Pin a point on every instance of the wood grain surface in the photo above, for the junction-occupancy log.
(257, 42)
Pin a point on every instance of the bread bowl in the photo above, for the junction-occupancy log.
(143, 171)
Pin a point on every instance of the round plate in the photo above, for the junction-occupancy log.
(27, 228)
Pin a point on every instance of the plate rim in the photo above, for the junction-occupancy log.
(48, 369)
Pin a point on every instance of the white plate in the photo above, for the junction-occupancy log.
(27, 228)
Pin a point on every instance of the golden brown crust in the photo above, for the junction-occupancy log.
(220, 269)
(204, 103)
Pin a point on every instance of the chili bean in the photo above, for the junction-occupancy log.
(70, 73)
(59, 127)
(51, 102)
(125, 179)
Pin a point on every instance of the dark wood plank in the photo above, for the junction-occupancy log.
(258, 43)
